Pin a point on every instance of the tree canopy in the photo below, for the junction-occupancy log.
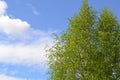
(88, 49)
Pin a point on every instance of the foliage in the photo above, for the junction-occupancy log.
(88, 49)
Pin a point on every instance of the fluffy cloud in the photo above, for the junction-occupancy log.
(17, 51)
(3, 7)
(28, 50)
(28, 54)
(13, 26)
(5, 77)
(9, 25)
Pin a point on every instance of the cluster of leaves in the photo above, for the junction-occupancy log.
(88, 49)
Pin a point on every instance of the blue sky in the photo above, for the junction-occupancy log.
(26, 28)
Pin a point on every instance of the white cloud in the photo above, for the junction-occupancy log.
(27, 54)
(11, 26)
(20, 52)
(26, 50)
(3, 7)
(5, 77)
